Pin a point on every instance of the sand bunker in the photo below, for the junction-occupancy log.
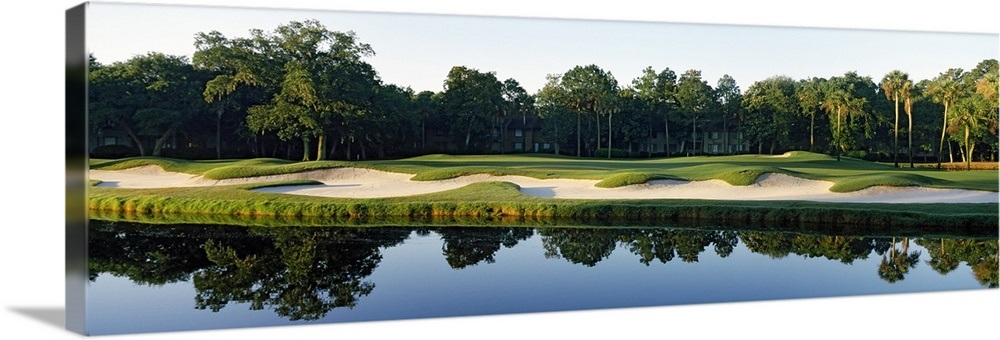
(367, 183)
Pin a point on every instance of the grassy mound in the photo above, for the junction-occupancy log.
(631, 178)
(892, 180)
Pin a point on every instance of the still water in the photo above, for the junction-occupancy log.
(152, 278)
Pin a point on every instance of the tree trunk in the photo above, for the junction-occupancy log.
(968, 151)
(944, 126)
(305, 149)
(218, 134)
(773, 143)
(321, 147)
(579, 138)
(812, 128)
(839, 144)
(348, 148)
(598, 146)
(135, 138)
(666, 134)
(951, 153)
(725, 136)
(909, 132)
(468, 137)
(694, 135)
(609, 135)
(423, 134)
(333, 150)
(556, 141)
(895, 136)
(158, 146)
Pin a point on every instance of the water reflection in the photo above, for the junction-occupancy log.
(302, 273)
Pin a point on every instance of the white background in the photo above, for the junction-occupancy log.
(32, 114)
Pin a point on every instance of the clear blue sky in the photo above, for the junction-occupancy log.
(418, 50)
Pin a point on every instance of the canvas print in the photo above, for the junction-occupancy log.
(262, 167)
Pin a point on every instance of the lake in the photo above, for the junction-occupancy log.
(171, 277)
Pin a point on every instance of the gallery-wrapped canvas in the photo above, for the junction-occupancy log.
(241, 167)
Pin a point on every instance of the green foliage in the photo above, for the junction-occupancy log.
(615, 153)
(630, 178)
(113, 151)
(856, 183)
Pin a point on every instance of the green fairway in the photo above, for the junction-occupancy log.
(848, 174)
(502, 199)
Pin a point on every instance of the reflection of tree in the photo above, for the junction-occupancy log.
(841, 248)
(899, 262)
(589, 246)
(151, 256)
(774, 245)
(980, 255)
(585, 246)
(467, 246)
(302, 274)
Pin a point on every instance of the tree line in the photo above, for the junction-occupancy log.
(305, 91)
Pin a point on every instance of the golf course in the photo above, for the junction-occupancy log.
(796, 187)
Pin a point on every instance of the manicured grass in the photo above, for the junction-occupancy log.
(848, 174)
(502, 199)
(631, 178)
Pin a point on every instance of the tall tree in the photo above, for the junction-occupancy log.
(893, 85)
(658, 91)
(323, 78)
(551, 106)
(769, 106)
(908, 93)
(842, 103)
(729, 98)
(425, 102)
(967, 119)
(473, 99)
(589, 89)
(151, 94)
(694, 96)
(945, 89)
(810, 97)
(517, 104)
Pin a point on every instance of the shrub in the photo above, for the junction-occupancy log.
(113, 151)
(615, 153)
(190, 153)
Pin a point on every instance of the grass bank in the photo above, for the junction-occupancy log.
(504, 200)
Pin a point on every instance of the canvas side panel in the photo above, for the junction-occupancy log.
(76, 169)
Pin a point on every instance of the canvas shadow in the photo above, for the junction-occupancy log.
(53, 316)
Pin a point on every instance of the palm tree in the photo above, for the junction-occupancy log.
(968, 116)
(945, 89)
(892, 86)
(841, 102)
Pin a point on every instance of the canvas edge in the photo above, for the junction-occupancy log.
(76, 174)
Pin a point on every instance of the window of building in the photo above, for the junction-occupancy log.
(518, 133)
(715, 135)
(739, 135)
(546, 146)
(110, 141)
(715, 148)
(518, 146)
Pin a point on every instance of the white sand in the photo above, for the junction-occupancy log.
(366, 183)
